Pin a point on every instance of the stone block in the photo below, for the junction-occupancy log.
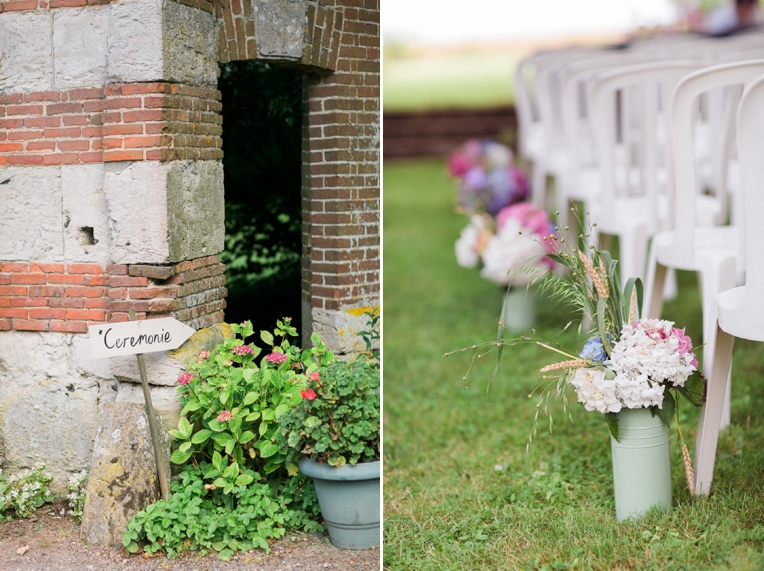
(87, 237)
(339, 329)
(195, 209)
(135, 41)
(189, 45)
(80, 43)
(31, 191)
(165, 212)
(48, 420)
(164, 400)
(48, 404)
(122, 479)
(26, 55)
(137, 200)
(280, 29)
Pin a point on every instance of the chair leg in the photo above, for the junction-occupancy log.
(715, 278)
(656, 278)
(633, 256)
(711, 412)
(538, 184)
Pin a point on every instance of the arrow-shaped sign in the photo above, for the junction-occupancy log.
(133, 337)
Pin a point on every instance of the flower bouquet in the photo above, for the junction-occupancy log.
(488, 179)
(630, 370)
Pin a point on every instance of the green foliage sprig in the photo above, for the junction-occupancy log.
(25, 492)
(200, 517)
(337, 421)
(232, 402)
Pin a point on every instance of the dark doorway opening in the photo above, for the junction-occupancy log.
(262, 106)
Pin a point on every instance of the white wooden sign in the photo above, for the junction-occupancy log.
(133, 337)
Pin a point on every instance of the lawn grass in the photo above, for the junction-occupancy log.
(459, 490)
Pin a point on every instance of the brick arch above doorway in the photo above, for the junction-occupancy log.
(304, 35)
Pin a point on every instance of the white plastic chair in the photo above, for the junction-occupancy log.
(715, 252)
(632, 156)
(737, 312)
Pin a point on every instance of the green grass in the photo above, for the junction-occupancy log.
(447, 503)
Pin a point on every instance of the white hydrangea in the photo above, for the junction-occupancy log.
(468, 245)
(595, 391)
(509, 251)
(648, 349)
(466, 253)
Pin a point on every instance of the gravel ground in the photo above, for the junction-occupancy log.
(51, 542)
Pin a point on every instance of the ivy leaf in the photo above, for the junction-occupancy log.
(612, 422)
(292, 469)
(184, 427)
(201, 436)
(179, 457)
(184, 447)
(191, 407)
(224, 394)
(268, 449)
(667, 412)
(266, 337)
(246, 437)
(244, 480)
(250, 398)
(694, 389)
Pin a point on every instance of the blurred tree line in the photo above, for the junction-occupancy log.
(261, 141)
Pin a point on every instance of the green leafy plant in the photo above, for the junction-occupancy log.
(337, 420)
(77, 487)
(201, 517)
(232, 403)
(370, 335)
(25, 492)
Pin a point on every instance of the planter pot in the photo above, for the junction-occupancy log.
(519, 311)
(641, 469)
(349, 498)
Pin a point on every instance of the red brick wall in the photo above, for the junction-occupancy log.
(68, 297)
(341, 168)
(138, 121)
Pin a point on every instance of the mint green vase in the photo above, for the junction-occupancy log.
(641, 468)
(519, 310)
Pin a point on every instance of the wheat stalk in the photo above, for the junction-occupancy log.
(570, 364)
(596, 279)
(688, 473)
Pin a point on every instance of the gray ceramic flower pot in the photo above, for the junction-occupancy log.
(349, 499)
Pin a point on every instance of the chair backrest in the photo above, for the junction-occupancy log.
(750, 142)
(644, 91)
(575, 112)
(684, 97)
(526, 88)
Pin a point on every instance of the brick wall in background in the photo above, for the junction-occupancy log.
(68, 297)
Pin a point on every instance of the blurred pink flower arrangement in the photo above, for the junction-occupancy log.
(487, 178)
(516, 240)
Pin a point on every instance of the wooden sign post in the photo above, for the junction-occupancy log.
(136, 338)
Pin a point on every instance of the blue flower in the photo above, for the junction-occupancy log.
(593, 350)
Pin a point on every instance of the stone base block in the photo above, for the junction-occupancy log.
(123, 477)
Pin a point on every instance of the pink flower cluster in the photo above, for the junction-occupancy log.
(534, 219)
(276, 358)
(185, 378)
(685, 344)
(309, 394)
(242, 350)
(315, 376)
(202, 356)
(225, 416)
